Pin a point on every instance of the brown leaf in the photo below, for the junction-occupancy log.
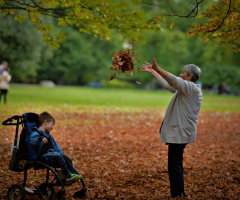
(112, 77)
(138, 70)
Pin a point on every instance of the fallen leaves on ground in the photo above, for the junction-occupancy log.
(120, 157)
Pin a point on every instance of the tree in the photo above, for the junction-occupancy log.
(21, 45)
(93, 17)
(223, 26)
(80, 59)
(98, 18)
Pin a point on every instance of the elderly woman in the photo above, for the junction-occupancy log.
(179, 126)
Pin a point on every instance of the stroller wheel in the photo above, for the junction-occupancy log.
(16, 192)
(46, 191)
(59, 196)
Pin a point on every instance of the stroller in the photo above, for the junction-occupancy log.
(24, 157)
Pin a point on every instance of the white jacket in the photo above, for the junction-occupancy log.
(5, 78)
(180, 121)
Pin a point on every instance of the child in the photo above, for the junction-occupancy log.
(49, 149)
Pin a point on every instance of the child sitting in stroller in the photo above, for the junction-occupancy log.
(49, 150)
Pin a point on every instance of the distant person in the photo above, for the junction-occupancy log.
(3, 66)
(225, 89)
(179, 126)
(5, 78)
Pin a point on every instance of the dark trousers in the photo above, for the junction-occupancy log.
(3, 93)
(175, 169)
(63, 162)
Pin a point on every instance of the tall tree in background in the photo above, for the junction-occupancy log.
(21, 45)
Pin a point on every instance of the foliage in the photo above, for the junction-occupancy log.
(66, 62)
(222, 26)
(222, 74)
(81, 59)
(100, 18)
(21, 45)
(95, 18)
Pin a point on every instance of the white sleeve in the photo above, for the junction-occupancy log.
(165, 84)
(183, 86)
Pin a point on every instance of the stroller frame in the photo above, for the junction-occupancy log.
(46, 190)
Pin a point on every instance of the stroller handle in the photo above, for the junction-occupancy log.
(15, 117)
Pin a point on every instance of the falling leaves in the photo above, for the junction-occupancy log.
(138, 70)
(138, 83)
(123, 61)
(112, 76)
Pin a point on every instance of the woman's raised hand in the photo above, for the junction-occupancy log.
(147, 67)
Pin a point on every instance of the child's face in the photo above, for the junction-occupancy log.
(49, 126)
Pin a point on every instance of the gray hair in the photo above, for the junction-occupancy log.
(194, 70)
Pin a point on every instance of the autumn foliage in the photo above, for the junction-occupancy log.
(223, 24)
(123, 61)
(120, 157)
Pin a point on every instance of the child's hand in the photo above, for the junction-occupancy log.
(44, 140)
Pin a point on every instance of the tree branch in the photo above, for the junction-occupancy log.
(194, 10)
(220, 25)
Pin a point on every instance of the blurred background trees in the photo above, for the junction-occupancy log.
(83, 58)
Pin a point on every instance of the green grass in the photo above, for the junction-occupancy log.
(71, 98)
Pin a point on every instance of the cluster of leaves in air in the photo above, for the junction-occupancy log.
(123, 61)
(222, 26)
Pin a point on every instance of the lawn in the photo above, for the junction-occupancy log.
(122, 99)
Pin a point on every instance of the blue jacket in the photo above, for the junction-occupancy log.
(36, 142)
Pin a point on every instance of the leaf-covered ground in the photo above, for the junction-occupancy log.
(120, 157)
